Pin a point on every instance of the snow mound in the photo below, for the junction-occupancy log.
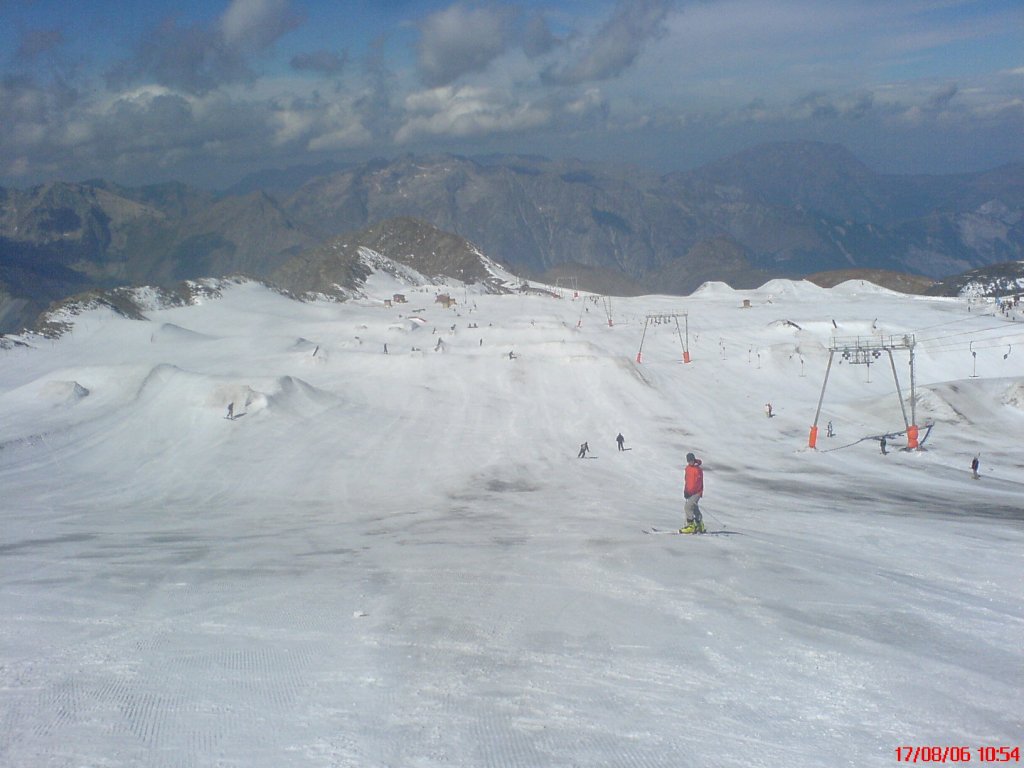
(172, 332)
(42, 394)
(792, 288)
(714, 288)
(936, 406)
(63, 392)
(242, 397)
(408, 324)
(309, 351)
(285, 394)
(1014, 395)
(854, 287)
(786, 326)
(299, 397)
(169, 389)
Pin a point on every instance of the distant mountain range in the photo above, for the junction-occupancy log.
(777, 210)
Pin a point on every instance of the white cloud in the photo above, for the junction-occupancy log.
(255, 24)
(592, 99)
(615, 47)
(481, 69)
(467, 111)
(461, 39)
(292, 124)
(348, 136)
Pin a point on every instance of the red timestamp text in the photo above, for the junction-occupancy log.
(951, 754)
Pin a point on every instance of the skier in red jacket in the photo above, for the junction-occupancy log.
(693, 489)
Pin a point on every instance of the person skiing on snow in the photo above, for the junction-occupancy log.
(620, 440)
(583, 451)
(693, 490)
(974, 468)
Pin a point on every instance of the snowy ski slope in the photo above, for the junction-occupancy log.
(397, 559)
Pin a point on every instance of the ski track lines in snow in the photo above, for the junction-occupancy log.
(398, 560)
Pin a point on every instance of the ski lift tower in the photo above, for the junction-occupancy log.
(570, 282)
(606, 302)
(865, 351)
(658, 318)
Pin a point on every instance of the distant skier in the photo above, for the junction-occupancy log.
(621, 441)
(831, 432)
(231, 411)
(693, 491)
(583, 451)
(768, 409)
(974, 468)
(881, 444)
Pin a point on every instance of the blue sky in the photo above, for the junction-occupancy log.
(205, 92)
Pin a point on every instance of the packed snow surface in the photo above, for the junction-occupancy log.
(397, 559)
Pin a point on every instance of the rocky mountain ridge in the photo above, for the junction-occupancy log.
(1000, 280)
(402, 246)
(778, 210)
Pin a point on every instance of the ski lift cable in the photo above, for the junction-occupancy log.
(888, 435)
(995, 343)
(975, 332)
(960, 333)
(955, 339)
(970, 319)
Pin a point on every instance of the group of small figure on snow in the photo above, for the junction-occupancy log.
(585, 447)
(693, 487)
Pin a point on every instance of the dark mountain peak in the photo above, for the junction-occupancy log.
(340, 266)
(426, 248)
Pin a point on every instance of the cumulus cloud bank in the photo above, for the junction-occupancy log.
(461, 39)
(616, 45)
(273, 82)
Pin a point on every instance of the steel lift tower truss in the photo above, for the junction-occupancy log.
(865, 351)
(667, 318)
